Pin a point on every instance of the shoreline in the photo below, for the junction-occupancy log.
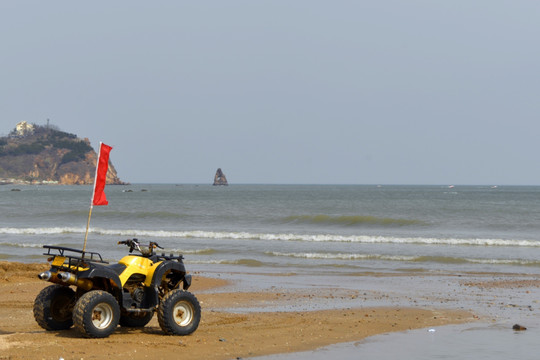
(226, 331)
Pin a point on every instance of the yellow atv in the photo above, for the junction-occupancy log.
(95, 296)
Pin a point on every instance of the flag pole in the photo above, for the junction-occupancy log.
(87, 227)
(92, 201)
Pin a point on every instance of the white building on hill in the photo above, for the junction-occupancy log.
(23, 128)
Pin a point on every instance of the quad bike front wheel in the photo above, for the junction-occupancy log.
(179, 313)
(53, 307)
(96, 314)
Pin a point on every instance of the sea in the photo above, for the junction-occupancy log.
(332, 235)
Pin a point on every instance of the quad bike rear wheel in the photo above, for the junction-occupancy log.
(53, 307)
(179, 313)
(96, 314)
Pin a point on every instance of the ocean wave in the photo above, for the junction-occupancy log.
(20, 245)
(201, 234)
(405, 258)
(207, 251)
(505, 262)
(109, 214)
(142, 215)
(41, 231)
(342, 256)
(458, 260)
(244, 262)
(350, 220)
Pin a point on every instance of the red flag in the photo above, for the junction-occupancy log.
(99, 198)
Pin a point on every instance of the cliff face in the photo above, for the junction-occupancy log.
(38, 154)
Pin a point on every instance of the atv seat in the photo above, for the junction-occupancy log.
(117, 268)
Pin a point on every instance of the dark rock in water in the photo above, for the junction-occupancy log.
(518, 327)
(220, 178)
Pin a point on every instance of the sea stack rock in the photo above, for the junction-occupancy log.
(220, 178)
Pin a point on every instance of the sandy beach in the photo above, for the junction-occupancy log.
(223, 333)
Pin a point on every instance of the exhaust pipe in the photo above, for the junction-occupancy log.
(67, 278)
(71, 279)
(46, 275)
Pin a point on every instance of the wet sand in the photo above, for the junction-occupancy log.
(226, 330)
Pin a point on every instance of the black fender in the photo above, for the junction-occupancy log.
(176, 267)
(102, 272)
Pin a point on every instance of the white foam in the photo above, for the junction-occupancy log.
(21, 245)
(342, 256)
(200, 234)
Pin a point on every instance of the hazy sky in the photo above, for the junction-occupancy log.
(323, 92)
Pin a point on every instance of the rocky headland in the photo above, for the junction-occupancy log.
(35, 154)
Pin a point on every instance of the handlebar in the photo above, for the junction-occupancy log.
(135, 245)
